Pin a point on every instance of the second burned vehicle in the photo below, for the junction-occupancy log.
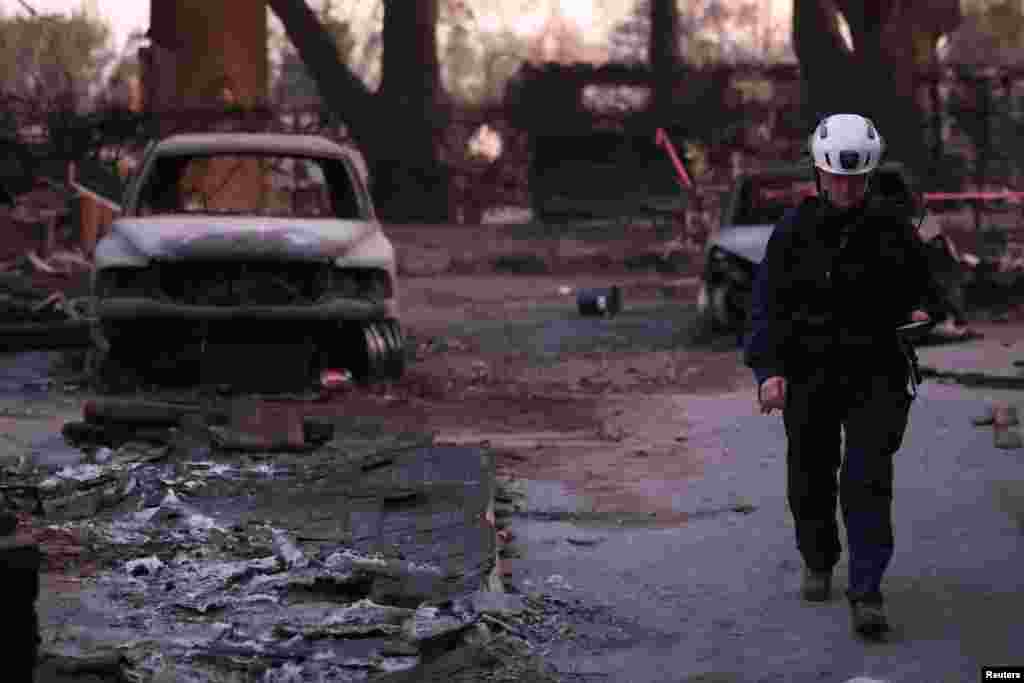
(757, 201)
(253, 260)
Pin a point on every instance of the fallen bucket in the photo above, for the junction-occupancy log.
(602, 301)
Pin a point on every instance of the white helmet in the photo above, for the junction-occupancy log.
(846, 144)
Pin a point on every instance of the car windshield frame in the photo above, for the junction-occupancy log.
(160, 193)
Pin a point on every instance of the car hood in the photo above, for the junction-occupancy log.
(749, 242)
(174, 238)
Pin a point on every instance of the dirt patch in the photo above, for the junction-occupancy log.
(609, 425)
(609, 247)
(430, 402)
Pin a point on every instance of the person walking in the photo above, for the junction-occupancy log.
(842, 272)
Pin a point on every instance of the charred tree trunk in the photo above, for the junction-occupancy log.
(412, 182)
(663, 53)
(877, 75)
(395, 129)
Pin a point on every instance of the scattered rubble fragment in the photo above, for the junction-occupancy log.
(498, 604)
(985, 419)
(1005, 415)
(429, 625)
(144, 566)
(1007, 438)
(585, 540)
(1004, 419)
(287, 552)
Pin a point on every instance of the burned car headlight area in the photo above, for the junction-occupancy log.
(361, 283)
(128, 282)
(211, 283)
(217, 321)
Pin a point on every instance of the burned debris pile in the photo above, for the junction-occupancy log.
(364, 556)
(44, 300)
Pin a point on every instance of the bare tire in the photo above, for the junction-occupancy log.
(380, 352)
(392, 332)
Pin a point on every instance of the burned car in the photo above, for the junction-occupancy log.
(756, 203)
(252, 260)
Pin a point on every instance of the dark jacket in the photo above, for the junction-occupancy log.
(831, 291)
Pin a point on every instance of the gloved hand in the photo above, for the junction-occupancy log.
(772, 394)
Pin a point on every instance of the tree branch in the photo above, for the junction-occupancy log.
(28, 8)
(826, 63)
(345, 94)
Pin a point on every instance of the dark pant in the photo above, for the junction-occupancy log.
(871, 410)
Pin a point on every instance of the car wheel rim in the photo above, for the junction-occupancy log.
(719, 305)
(373, 352)
(396, 348)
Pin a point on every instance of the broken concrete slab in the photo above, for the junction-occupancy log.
(82, 491)
(498, 604)
(363, 618)
(429, 625)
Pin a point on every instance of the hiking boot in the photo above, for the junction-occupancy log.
(817, 586)
(869, 619)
